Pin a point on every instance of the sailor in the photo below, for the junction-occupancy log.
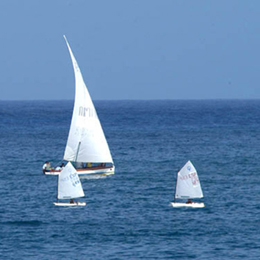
(46, 167)
(72, 201)
(189, 201)
(59, 168)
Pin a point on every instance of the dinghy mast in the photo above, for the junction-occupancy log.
(58, 189)
(176, 186)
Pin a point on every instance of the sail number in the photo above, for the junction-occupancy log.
(73, 178)
(193, 176)
(87, 112)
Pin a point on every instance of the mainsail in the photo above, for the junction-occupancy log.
(188, 184)
(69, 185)
(86, 141)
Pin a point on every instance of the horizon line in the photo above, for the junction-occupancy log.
(166, 99)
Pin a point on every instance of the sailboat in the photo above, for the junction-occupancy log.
(87, 146)
(69, 187)
(188, 187)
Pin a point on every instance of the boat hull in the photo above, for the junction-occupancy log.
(88, 171)
(190, 205)
(67, 204)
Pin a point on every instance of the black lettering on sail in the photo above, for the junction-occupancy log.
(87, 112)
(82, 111)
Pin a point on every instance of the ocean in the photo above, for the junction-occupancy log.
(128, 214)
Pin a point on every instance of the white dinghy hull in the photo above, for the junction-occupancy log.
(84, 172)
(190, 205)
(67, 204)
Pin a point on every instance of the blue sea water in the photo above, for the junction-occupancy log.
(128, 215)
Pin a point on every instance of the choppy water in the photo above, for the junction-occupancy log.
(128, 214)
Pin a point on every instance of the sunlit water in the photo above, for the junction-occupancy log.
(128, 215)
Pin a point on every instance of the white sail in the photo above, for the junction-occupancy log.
(188, 184)
(69, 185)
(86, 141)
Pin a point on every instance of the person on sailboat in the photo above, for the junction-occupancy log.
(189, 201)
(73, 202)
(46, 167)
(59, 168)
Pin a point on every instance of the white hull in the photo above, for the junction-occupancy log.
(190, 205)
(85, 172)
(67, 204)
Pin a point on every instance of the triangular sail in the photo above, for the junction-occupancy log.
(86, 141)
(69, 185)
(188, 184)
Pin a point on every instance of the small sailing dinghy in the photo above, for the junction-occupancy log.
(87, 146)
(69, 187)
(188, 187)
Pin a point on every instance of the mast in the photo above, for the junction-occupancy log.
(176, 186)
(77, 151)
(58, 189)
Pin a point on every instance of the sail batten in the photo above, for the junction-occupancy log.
(85, 126)
(188, 184)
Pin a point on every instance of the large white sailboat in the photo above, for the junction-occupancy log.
(87, 146)
(69, 187)
(188, 187)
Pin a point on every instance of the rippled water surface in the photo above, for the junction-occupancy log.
(128, 215)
